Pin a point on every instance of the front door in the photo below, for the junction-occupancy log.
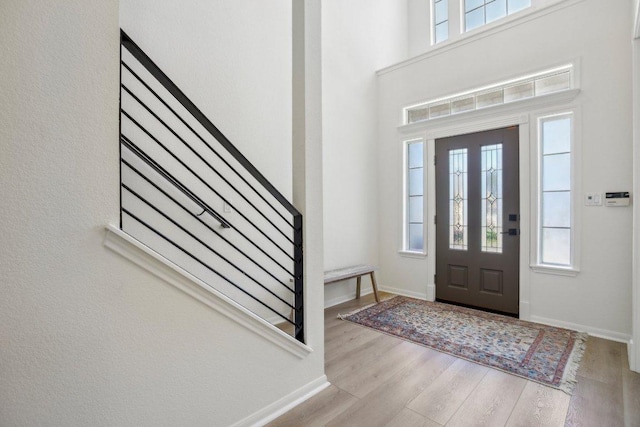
(477, 220)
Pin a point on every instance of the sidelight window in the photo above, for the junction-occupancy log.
(556, 189)
(414, 196)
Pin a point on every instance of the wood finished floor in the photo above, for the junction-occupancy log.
(379, 380)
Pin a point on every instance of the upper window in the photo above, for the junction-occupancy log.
(480, 12)
(440, 20)
(555, 191)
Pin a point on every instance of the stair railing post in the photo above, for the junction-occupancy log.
(298, 273)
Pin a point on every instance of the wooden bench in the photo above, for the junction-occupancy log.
(356, 271)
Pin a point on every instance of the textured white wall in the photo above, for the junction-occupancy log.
(87, 337)
(596, 32)
(358, 38)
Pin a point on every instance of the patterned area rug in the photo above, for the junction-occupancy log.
(540, 353)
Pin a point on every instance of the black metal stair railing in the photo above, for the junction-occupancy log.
(176, 168)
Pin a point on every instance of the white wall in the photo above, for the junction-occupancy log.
(598, 34)
(87, 337)
(233, 60)
(419, 26)
(358, 37)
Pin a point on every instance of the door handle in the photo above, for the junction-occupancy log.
(511, 232)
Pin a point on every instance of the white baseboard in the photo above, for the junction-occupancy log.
(525, 310)
(596, 332)
(351, 296)
(631, 352)
(431, 292)
(404, 292)
(281, 406)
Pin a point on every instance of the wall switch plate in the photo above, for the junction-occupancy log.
(593, 199)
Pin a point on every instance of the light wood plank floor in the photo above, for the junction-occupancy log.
(379, 380)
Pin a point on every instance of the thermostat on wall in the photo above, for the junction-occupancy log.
(620, 198)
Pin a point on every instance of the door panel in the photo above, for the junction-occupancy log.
(477, 220)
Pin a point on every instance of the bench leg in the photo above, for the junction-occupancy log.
(358, 281)
(374, 285)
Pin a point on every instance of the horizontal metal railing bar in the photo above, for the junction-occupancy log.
(203, 160)
(166, 175)
(157, 141)
(188, 126)
(159, 75)
(197, 239)
(196, 217)
(138, 151)
(204, 264)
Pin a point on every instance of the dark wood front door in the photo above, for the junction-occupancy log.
(477, 220)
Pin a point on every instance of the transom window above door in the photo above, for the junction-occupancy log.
(553, 80)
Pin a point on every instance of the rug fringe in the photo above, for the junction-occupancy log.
(342, 316)
(569, 380)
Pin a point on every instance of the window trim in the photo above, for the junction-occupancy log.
(536, 264)
(405, 251)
